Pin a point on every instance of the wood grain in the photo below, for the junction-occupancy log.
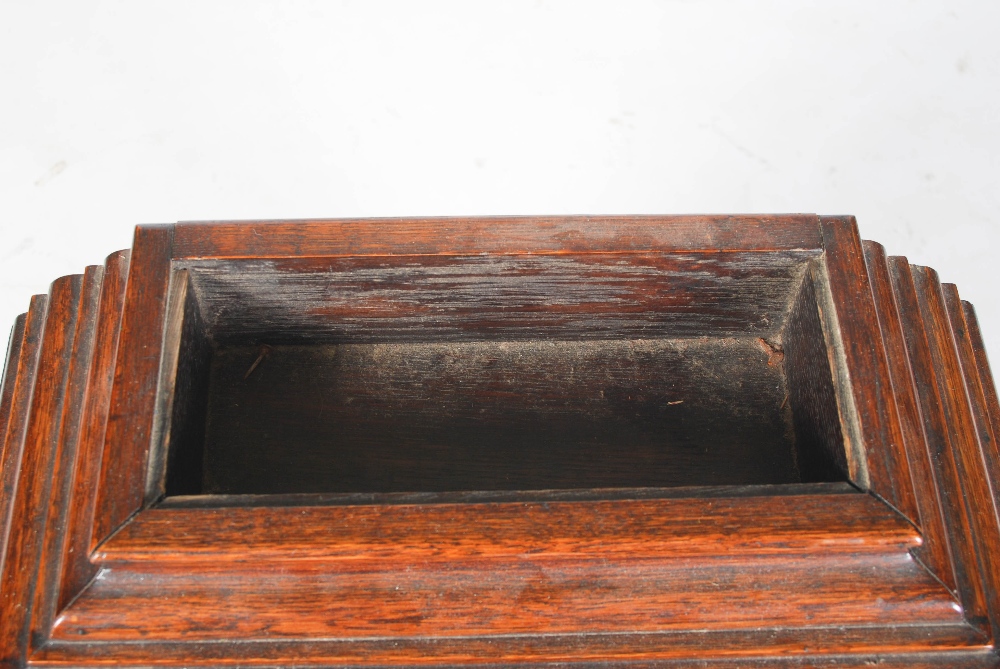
(812, 395)
(500, 496)
(972, 490)
(17, 423)
(926, 343)
(475, 297)
(840, 647)
(9, 420)
(523, 595)
(178, 441)
(787, 322)
(64, 458)
(496, 235)
(980, 465)
(133, 395)
(868, 375)
(502, 569)
(679, 528)
(76, 567)
(935, 552)
(9, 379)
(985, 375)
(31, 497)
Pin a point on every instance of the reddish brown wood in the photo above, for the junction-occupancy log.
(641, 552)
(9, 380)
(130, 417)
(77, 568)
(497, 235)
(874, 377)
(980, 466)
(844, 648)
(31, 497)
(935, 552)
(20, 391)
(674, 528)
(874, 404)
(920, 341)
(53, 547)
(985, 375)
(435, 567)
(927, 343)
(20, 402)
(979, 520)
(522, 595)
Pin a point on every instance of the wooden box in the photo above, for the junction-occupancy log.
(681, 441)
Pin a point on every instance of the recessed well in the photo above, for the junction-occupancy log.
(441, 374)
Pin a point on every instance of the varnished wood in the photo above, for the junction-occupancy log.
(843, 648)
(77, 569)
(18, 580)
(675, 528)
(985, 375)
(284, 601)
(133, 392)
(924, 336)
(980, 467)
(935, 551)
(462, 430)
(21, 386)
(495, 236)
(9, 380)
(399, 570)
(210, 501)
(979, 522)
(53, 549)
(873, 401)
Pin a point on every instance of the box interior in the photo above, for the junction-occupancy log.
(439, 374)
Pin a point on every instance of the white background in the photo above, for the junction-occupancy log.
(116, 113)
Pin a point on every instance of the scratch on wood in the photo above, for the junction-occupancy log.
(265, 350)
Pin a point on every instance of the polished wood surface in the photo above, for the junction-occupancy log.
(77, 568)
(936, 550)
(133, 391)
(29, 508)
(446, 442)
(505, 235)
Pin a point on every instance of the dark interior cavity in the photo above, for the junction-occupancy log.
(440, 374)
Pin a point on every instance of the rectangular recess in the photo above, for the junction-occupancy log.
(640, 570)
(439, 374)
